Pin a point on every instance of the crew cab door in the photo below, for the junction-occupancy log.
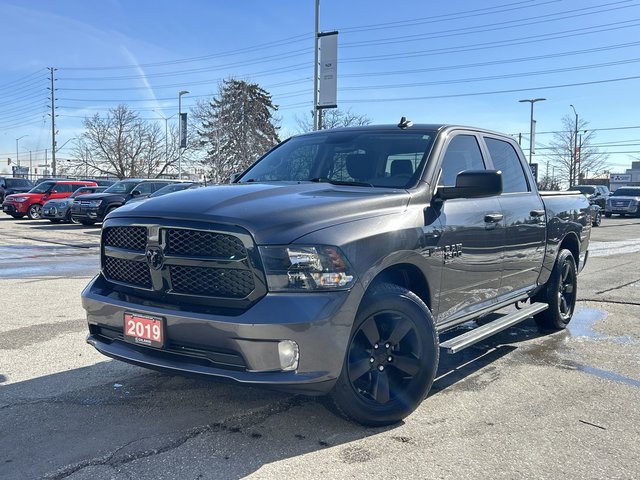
(472, 237)
(524, 217)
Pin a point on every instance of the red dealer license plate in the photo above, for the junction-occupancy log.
(144, 330)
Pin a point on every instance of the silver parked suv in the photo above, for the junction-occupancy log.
(624, 201)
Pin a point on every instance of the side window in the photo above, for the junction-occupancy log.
(158, 185)
(63, 188)
(463, 153)
(145, 188)
(76, 186)
(506, 160)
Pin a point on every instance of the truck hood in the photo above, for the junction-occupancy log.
(272, 213)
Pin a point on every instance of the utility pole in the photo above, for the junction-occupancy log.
(574, 163)
(316, 113)
(53, 123)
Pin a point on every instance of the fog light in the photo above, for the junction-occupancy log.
(289, 354)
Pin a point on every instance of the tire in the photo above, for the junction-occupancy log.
(597, 220)
(54, 220)
(391, 359)
(560, 293)
(607, 214)
(70, 219)
(87, 223)
(35, 212)
(18, 215)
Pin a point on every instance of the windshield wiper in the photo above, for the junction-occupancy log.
(339, 182)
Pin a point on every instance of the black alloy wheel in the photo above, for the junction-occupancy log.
(391, 359)
(561, 294)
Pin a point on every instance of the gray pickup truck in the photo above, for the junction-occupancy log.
(335, 262)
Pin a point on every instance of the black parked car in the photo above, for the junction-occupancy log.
(92, 208)
(9, 185)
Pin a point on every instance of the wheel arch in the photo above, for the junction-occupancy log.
(408, 276)
(571, 243)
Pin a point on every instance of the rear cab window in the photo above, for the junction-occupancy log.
(505, 158)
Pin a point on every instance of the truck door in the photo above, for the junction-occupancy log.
(524, 218)
(472, 237)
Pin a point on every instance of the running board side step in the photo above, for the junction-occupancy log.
(478, 334)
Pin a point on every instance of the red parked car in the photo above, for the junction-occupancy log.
(20, 204)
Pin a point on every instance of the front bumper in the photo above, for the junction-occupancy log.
(624, 207)
(87, 213)
(54, 212)
(12, 208)
(242, 347)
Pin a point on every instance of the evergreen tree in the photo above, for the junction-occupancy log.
(235, 127)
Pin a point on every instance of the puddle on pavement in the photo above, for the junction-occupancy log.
(24, 261)
(582, 326)
(607, 375)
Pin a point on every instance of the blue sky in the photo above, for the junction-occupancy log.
(463, 62)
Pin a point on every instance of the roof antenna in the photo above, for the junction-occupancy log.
(404, 123)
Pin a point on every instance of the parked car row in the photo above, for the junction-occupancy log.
(80, 201)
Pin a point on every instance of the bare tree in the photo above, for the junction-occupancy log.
(333, 118)
(122, 145)
(573, 154)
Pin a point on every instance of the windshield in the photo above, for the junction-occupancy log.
(627, 192)
(121, 187)
(371, 158)
(43, 187)
(85, 190)
(17, 182)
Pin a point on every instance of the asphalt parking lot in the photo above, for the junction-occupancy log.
(522, 404)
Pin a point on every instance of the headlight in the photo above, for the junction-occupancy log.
(19, 199)
(63, 204)
(95, 203)
(306, 268)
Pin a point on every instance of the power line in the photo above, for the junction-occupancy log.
(492, 27)
(473, 94)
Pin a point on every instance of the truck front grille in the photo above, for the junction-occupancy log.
(132, 238)
(182, 264)
(204, 244)
(127, 271)
(211, 282)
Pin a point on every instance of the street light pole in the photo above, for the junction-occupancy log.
(17, 153)
(575, 150)
(166, 134)
(531, 146)
(180, 93)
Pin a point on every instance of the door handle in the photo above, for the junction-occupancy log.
(493, 217)
(537, 213)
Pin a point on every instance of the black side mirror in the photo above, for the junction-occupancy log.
(473, 184)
